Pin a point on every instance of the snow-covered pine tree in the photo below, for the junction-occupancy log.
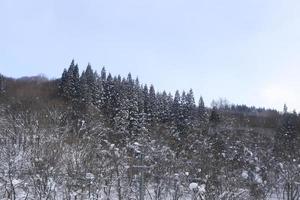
(85, 96)
(214, 117)
(132, 106)
(287, 137)
(75, 83)
(201, 108)
(91, 82)
(164, 103)
(190, 108)
(103, 74)
(152, 104)
(287, 154)
(146, 99)
(63, 83)
(176, 108)
(70, 83)
(108, 98)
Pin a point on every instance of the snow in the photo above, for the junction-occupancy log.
(258, 178)
(16, 181)
(202, 188)
(193, 186)
(89, 176)
(245, 174)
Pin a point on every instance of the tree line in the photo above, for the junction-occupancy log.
(81, 136)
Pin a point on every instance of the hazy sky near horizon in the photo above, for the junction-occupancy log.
(246, 51)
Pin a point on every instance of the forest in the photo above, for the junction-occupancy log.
(90, 135)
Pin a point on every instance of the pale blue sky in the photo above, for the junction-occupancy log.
(245, 50)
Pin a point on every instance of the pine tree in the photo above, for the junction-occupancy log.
(108, 98)
(139, 91)
(176, 113)
(152, 104)
(146, 99)
(190, 107)
(285, 109)
(91, 83)
(75, 84)
(130, 106)
(201, 111)
(164, 107)
(134, 122)
(176, 107)
(63, 83)
(287, 137)
(97, 90)
(214, 116)
(70, 83)
(85, 96)
(103, 74)
(201, 106)
(2, 84)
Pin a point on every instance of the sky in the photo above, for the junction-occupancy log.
(245, 51)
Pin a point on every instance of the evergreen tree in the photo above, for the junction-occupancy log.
(91, 83)
(201, 112)
(63, 83)
(285, 109)
(98, 90)
(75, 84)
(130, 103)
(103, 74)
(146, 99)
(130, 81)
(176, 107)
(176, 113)
(214, 116)
(190, 107)
(85, 96)
(287, 137)
(2, 84)
(152, 104)
(139, 91)
(70, 83)
(109, 98)
(201, 106)
(164, 107)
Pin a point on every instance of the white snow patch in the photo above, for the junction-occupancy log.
(193, 186)
(16, 181)
(258, 178)
(202, 188)
(245, 174)
(89, 176)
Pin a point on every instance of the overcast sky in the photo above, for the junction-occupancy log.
(246, 51)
